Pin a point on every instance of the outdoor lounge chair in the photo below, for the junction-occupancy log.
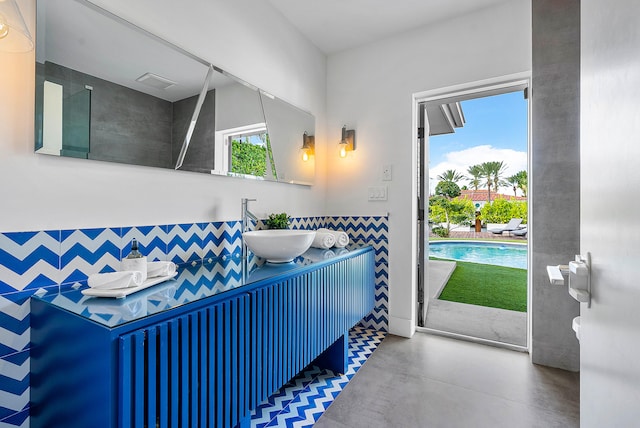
(520, 232)
(513, 224)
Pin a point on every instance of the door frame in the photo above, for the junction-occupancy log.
(465, 91)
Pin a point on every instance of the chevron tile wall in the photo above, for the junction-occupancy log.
(14, 358)
(33, 261)
(29, 260)
(373, 231)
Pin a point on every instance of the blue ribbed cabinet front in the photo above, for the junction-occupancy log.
(204, 364)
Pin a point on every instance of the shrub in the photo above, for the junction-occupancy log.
(457, 211)
(247, 158)
(440, 231)
(502, 210)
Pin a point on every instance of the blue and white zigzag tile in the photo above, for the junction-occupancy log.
(382, 297)
(307, 407)
(14, 383)
(368, 228)
(376, 319)
(221, 239)
(29, 260)
(302, 401)
(279, 400)
(87, 251)
(307, 223)
(382, 274)
(17, 420)
(152, 241)
(185, 243)
(15, 332)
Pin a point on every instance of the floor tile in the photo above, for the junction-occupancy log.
(432, 381)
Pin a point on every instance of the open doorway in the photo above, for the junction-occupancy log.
(473, 215)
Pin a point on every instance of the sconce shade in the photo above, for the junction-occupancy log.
(347, 142)
(308, 146)
(14, 35)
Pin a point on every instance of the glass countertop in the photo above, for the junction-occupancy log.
(191, 284)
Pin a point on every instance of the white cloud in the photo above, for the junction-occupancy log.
(463, 159)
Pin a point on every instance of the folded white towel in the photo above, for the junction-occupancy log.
(155, 269)
(342, 239)
(318, 254)
(113, 280)
(323, 240)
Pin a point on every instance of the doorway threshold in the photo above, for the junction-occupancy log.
(483, 323)
(472, 339)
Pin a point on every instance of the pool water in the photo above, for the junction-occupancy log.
(499, 254)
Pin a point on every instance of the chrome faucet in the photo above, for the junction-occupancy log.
(246, 214)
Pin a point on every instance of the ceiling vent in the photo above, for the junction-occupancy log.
(155, 81)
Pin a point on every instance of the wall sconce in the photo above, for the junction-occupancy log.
(14, 35)
(347, 142)
(308, 146)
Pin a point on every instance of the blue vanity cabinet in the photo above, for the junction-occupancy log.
(189, 371)
(296, 319)
(204, 360)
(186, 370)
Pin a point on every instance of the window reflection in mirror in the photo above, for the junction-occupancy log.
(249, 154)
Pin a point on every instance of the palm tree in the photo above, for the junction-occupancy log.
(513, 182)
(451, 175)
(492, 172)
(523, 181)
(519, 181)
(475, 171)
(499, 169)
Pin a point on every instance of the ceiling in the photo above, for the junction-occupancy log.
(337, 25)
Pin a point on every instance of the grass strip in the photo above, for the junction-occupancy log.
(487, 285)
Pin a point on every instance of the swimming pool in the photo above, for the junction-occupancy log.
(500, 254)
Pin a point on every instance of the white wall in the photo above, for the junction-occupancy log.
(370, 88)
(40, 192)
(610, 334)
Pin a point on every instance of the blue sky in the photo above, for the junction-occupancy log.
(495, 130)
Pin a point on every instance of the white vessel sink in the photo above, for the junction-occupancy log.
(278, 245)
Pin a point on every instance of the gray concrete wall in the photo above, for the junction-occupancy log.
(127, 126)
(555, 176)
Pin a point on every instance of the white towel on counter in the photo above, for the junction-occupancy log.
(114, 280)
(342, 239)
(155, 269)
(323, 240)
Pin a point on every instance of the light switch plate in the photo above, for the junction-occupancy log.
(378, 193)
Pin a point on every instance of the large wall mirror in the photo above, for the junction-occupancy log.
(108, 90)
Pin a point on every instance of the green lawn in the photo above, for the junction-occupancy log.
(487, 285)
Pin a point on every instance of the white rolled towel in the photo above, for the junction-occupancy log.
(323, 240)
(342, 239)
(115, 280)
(155, 269)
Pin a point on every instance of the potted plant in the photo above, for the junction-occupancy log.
(278, 221)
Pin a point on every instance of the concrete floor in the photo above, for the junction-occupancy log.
(497, 325)
(432, 381)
